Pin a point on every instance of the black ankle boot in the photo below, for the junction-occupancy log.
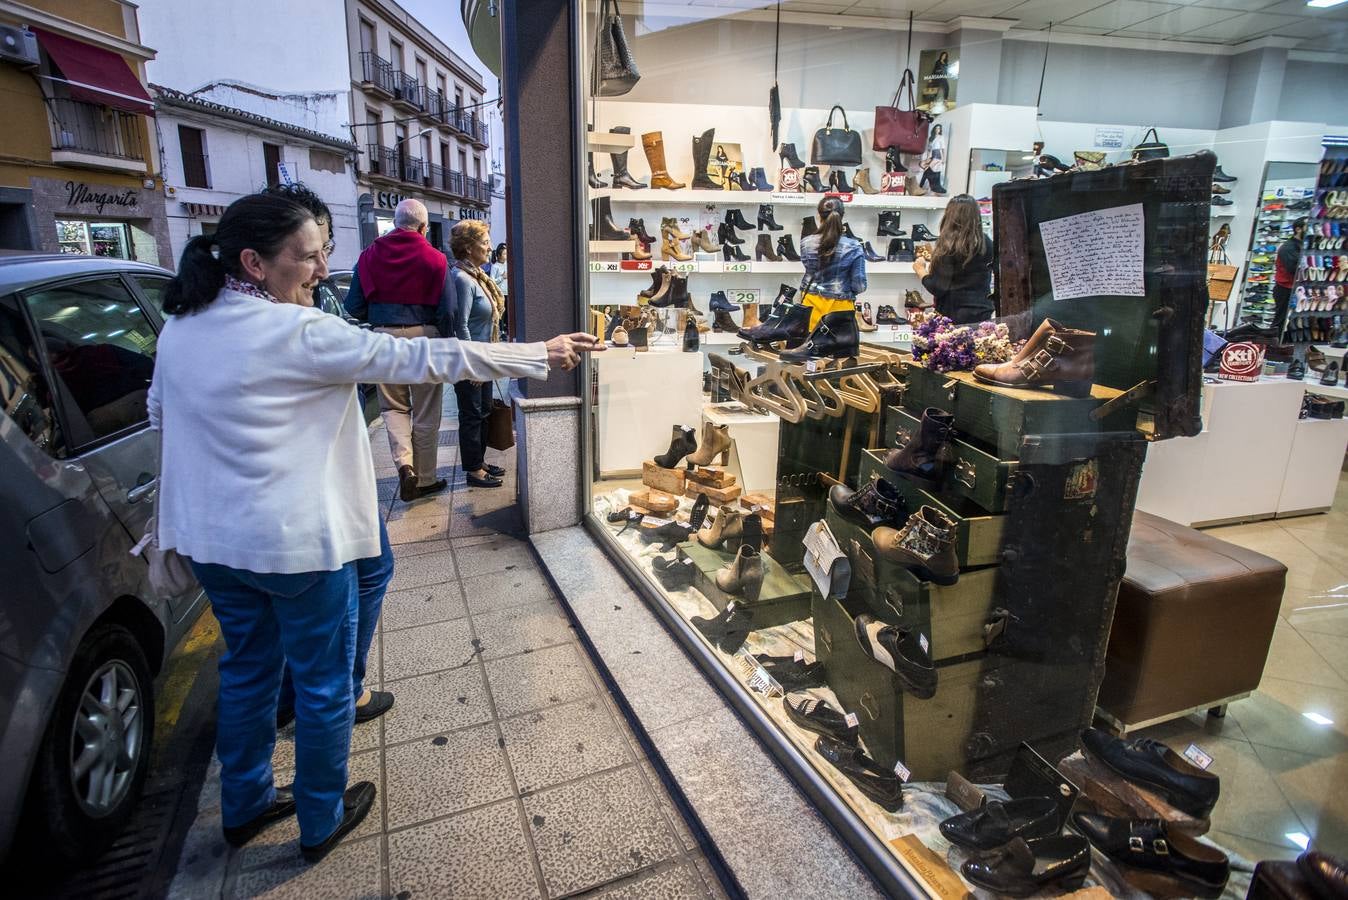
(743, 183)
(736, 218)
(763, 249)
(894, 162)
(791, 326)
(726, 235)
(621, 177)
(719, 301)
(701, 156)
(727, 630)
(786, 250)
(637, 227)
(721, 321)
(869, 252)
(766, 218)
(837, 180)
(811, 180)
(923, 459)
(731, 252)
(808, 226)
(602, 226)
(682, 441)
(678, 292)
(658, 287)
(890, 225)
(595, 181)
(673, 574)
(836, 335)
(691, 341)
(901, 250)
(847, 230)
(787, 154)
(920, 233)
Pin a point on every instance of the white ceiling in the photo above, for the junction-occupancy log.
(1200, 21)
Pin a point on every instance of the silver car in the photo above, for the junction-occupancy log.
(82, 636)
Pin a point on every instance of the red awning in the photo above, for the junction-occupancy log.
(96, 75)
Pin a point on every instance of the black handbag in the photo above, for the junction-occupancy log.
(500, 425)
(615, 71)
(1150, 149)
(836, 146)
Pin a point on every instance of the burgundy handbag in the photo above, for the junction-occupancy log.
(905, 129)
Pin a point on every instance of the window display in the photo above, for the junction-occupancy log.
(884, 461)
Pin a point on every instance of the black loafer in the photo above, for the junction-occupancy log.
(1163, 862)
(478, 481)
(1154, 766)
(380, 703)
(900, 650)
(997, 823)
(283, 807)
(498, 471)
(878, 784)
(407, 484)
(817, 716)
(437, 487)
(356, 802)
(1057, 865)
(791, 675)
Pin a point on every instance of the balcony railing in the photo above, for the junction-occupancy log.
(92, 128)
(439, 108)
(388, 162)
(378, 72)
(409, 91)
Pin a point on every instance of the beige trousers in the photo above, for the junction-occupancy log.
(411, 413)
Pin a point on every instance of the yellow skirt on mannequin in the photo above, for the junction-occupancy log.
(822, 306)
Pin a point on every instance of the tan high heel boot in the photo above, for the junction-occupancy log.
(727, 526)
(671, 224)
(702, 242)
(715, 440)
(671, 248)
(639, 250)
(743, 575)
(862, 182)
(653, 143)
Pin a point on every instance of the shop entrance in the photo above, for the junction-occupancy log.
(107, 239)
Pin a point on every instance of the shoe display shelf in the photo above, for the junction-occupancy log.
(1321, 296)
(1272, 226)
(717, 266)
(691, 197)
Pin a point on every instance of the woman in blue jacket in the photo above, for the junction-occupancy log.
(478, 318)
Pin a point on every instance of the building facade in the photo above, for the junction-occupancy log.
(213, 154)
(78, 168)
(418, 117)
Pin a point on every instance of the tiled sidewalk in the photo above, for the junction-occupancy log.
(504, 770)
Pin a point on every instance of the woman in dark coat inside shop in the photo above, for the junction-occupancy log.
(959, 276)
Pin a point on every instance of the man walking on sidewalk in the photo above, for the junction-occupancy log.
(401, 286)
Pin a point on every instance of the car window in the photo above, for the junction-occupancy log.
(153, 287)
(24, 390)
(100, 347)
(342, 282)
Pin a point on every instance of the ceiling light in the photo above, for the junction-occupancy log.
(1300, 838)
(1318, 719)
(1324, 4)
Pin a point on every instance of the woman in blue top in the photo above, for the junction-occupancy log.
(835, 265)
(480, 307)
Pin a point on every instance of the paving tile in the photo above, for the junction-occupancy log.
(1333, 649)
(592, 831)
(538, 680)
(502, 555)
(425, 568)
(678, 882)
(709, 878)
(480, 853)
(418, 548)
(435, 505)
(472, 541)
(427, 648)
(431, 704)
(426, 528)
(1252, 805)
(439, 775)
(661, 793)
(1314, 787)
(352, 870)
(569, 741)
(423, 605)
(516, 629)
(503, 589)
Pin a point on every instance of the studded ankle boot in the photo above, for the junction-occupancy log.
(925, 546)
(835, 336)
(878, 503)
(1054, 355)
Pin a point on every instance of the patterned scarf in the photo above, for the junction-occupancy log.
(245, 287)
(493, 293)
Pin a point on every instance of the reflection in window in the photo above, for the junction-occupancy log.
(23, 388)
(154, 288)
(107, 239)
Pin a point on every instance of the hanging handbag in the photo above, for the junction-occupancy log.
(836, 146)
(825, 561)
(500, 425)
(170, 572)
(615, 71)
(1150, 149)
(905, 129)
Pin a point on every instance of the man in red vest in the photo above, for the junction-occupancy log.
(401, 286)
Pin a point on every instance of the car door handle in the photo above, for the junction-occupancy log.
(142, 491)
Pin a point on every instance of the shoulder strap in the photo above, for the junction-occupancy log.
(906, 81)
(1151, 132)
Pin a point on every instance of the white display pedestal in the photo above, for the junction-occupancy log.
(755, 453)
(642, 395)
(1314, 465)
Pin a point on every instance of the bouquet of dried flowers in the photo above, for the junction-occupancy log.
(942, 346)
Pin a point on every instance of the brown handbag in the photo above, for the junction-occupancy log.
(905, 129)
(500, 425)
(1221, 279)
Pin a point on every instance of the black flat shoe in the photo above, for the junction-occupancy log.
(619, 515)
(673, 574)
(498, 471)
(817, 716)
(407, 484)
(998, 823)
(478, 481)
(380, 703)
(434, 488)
(880, 785)
(1154, 766)
(1056, 865)
(900, 650)
(283, 807)
(1161, 862)
(356, 802)
(791, 675)
(728, 630)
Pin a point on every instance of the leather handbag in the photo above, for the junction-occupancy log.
(1150, 149)
(836, 146)
(1221, 279)
(170, 572)
(615, 71)
(895, 126)
(825, 561)
(500, 425)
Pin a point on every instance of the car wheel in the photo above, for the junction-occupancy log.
(95, 753)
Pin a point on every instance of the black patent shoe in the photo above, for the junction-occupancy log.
(673, 574)
(1296, 370)
(356, 803)
(483, 480)
(499, 471)
(817, 716)
(998, 823)
(878, 784)
(792, 675)
(283, 807)
(1156, 767)
(1054, 865)
(380, 703)
(728, 630)
(435, 487)
(1160, 862)
(878, 503)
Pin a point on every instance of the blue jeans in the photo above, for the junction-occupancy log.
(308, 619)
(372, 577)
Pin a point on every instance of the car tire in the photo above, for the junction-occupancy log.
(68, 820)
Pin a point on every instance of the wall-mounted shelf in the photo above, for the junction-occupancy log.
(689, 196)
(717, 267)
(609, 142)
(613, 246)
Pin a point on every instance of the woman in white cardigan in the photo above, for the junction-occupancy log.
(267, 486)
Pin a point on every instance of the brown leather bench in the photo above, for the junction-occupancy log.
(1192, 627)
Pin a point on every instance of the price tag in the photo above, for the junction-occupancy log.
(1194, 754)
(787, 197)
(730, 607)
(811, 365)
(922, 640)
(654, 522)
(613, 266)
(682, 266)
(903, 335)
(687, 560)
(800, 656)
(744, 296)
(852, 720)
(902, 771)
(737, 267)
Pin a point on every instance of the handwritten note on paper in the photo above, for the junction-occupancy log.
(1096, 253)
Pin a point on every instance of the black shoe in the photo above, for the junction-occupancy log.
(483, 481)
(673, 574)
(284, 716)
(668, 535)
(835, 336)
(283, 807)
(698, 515)
(1053, 865)
(900, 651)
(817, 716)
(435, 487)
(997, 823)
(357, 802)
(1220, 201)
(880, 785)
(1219, 175)
(728, 629)
(791, 675)
(878, 503)
(920, 233)
(682, 441)
(407, 484)
(1296, 370)
(1154, 766)
(620, 515)
(869, 252)
(380, 703)
(498, 471)
(1147, 845)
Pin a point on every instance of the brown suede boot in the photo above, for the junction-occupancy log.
(1056, 355)
(653, 143)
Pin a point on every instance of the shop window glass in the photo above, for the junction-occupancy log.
(100, 347)
(23, 387)
(107, 239)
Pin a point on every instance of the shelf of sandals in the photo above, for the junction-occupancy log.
(1320, 300)
(1273, 225)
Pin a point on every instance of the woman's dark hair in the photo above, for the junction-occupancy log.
(961, 236)
(302, 194)
(1299, 223)
(830, 211)
(260, 222)
(496, 254)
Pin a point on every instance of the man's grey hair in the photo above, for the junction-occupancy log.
(410, 214)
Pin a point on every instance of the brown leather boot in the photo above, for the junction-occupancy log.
(925, 546)
(750, 317)
(743, 575)
(670, 248)
(653, 142)
(727, 526)
(924, 458)
(862, 182)
(715, 440)
(1056, 355)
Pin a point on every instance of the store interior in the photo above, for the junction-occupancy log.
(1053, 598)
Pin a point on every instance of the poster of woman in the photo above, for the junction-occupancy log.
(939, 73)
